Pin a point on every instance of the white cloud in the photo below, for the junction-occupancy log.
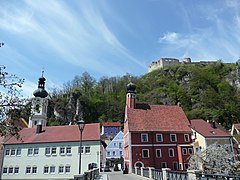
(179, 40)
(169, 37)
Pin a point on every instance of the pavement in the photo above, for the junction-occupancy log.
(102, 177)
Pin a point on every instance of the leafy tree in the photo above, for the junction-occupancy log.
(205, 91)
(215, 159)
(10, 101)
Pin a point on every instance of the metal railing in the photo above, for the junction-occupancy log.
(138, 171)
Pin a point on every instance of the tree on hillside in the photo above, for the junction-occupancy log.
(215, 159)
(10, 100)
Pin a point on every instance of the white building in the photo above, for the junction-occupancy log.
(50, 152)
(115, 148)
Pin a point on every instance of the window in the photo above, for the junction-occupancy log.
(30, 151)
(190, 151)
(18, 153)
(54, 151)
(145, 153)
(82, 150)
(159, 138)
(62, 150)
(10, 170)
(87, 149)
(120, 145)
(52, 169)
(108, 153)
(180, 166)
(164, 165)
(171, 152)
(61, 169)
(120, 153)
(173, 137)
(185, 165)
(175, 166)
(7, 152)
(184, 151)
(158, 153)
(45, 170)
(69, 150)
(114, 153)
(16, 170)
(35, 151)
(13, 151)
(34, 170)
(186, 138)
(114, 144)
(144, 137)
(47, 151)
(28, 170)
(5, 170)
(67, 169)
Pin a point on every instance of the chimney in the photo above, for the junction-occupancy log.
(39, 129)
(213, 124)
(179, 104)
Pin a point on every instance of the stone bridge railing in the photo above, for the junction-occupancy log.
(167, 174)
(88, 175)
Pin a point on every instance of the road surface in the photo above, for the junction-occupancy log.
(121, 176)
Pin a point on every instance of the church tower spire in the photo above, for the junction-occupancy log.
(39, 105)
(131, 95)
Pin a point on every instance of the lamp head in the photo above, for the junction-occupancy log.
(81, 124)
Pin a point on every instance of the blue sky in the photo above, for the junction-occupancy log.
(112, 37)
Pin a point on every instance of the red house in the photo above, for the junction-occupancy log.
(156, 136)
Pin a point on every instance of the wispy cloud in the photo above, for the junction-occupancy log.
(215, 40)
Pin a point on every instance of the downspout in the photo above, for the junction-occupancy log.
(154, 154)
(3, 154)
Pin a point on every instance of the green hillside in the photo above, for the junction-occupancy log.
(204, 91)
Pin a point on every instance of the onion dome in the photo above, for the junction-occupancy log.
(131, 88)
(41, 92)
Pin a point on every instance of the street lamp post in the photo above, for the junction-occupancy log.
(81, 125)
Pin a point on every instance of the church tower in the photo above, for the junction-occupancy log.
(131, 95)
(39, 105)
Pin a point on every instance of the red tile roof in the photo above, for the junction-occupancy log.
(205, 129)
(111, 124)
(237, 126)
(57, 134)
(158, 118)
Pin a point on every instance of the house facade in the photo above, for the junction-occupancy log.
(207, 133)
(235, 132)
(111, 129)
(51, 152)
(155, 135)
(20, 123)
(114, 151)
